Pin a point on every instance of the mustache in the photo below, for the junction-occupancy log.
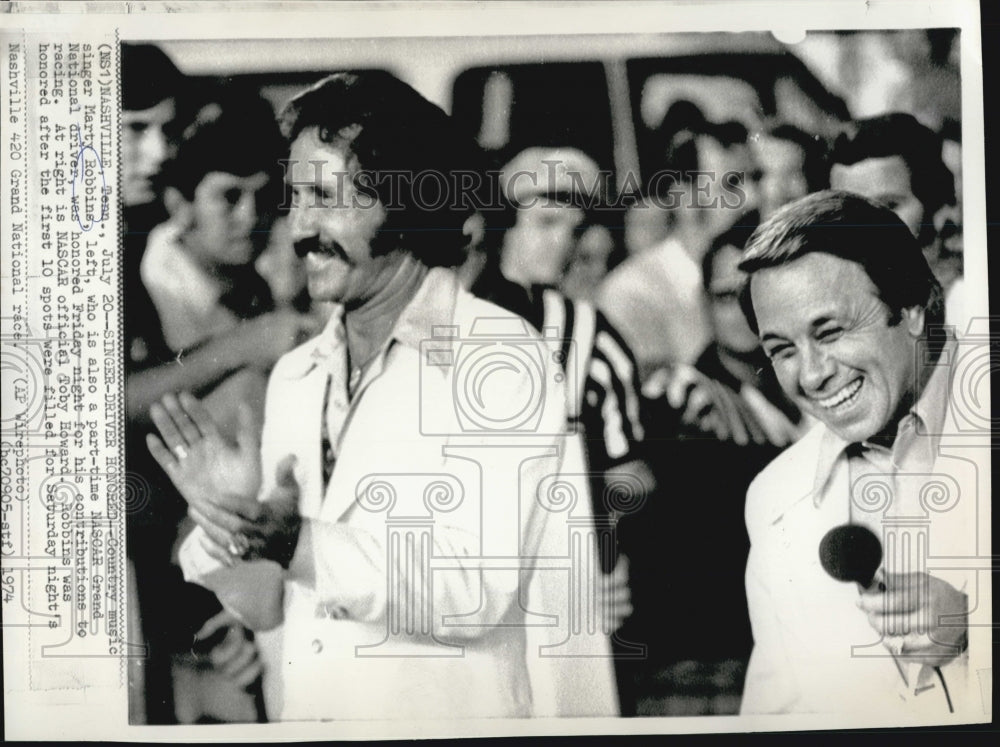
(313, 244)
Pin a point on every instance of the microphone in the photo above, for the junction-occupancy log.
(851, 552)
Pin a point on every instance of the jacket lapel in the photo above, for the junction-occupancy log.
(308, 420)
(340, 494)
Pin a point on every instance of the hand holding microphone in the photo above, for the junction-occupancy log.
(922, 617)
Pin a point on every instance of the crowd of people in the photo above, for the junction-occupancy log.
(279, 300)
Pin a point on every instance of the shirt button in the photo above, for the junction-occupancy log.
(317, 646)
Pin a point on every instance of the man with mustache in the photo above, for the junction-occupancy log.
(378, 424)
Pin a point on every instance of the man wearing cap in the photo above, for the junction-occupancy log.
(555, 195)
(384, 526)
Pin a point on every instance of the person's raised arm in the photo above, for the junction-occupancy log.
(256, 343)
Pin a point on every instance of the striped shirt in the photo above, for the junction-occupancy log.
(602, 375)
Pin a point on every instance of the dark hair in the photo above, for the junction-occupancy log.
(392, 129)
(853, 228)
(679, 131)
(814, 165)
(235, 133)
(737, 236)
(898, 134)
(727, 134)
(951, 129)
(148, 77)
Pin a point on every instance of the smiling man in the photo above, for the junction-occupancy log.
(846, 307)
(313, 535)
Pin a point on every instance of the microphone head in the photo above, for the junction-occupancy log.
(851, 553)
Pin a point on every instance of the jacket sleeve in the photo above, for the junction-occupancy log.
(770, 685)
(252, 591)
(367, 570)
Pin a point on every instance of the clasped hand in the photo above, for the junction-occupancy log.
(234, 654)
(220, 481)
(921, 618)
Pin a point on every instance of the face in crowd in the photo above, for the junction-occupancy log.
(948, 221)
(732, 333)
(153, 91)
(590, 261)
(145, 148)
(783, 172)
(549, 188)
(886, 180)
(545, 234)
(227, 220)
(221, 186)
(728, 167)
(897, 161)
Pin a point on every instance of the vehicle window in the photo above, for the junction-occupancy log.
(507, 108)
(720, 98)
(751, 88)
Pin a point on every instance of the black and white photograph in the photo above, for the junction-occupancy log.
(546, 376)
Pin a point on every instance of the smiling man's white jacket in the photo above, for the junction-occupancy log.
(415, 477)
(814, 649)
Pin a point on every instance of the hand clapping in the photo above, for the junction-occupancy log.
(220, 482)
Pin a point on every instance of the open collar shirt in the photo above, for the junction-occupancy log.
(370, 627)
(814, 649)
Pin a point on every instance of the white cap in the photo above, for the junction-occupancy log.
(546, 171)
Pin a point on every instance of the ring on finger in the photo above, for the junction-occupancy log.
(180, 451)
(239, 545)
